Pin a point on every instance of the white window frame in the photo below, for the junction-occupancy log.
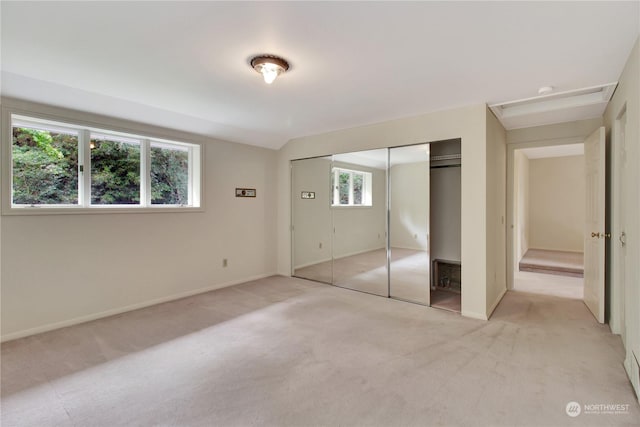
(84, 131)
(367, 188)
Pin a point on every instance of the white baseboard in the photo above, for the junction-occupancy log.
(112, 312)
(495, 303)
(364, 251)
(307, 264)
(337, 257)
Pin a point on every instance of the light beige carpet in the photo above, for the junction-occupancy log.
(548, 284)
(553, 262)
(367, 272)
(289, 352)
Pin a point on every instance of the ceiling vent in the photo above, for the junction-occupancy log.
(581, 104)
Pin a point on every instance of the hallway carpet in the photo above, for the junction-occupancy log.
(553, 262)
(282, 351)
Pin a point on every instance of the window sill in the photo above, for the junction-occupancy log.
(351, 206)
(98, 210)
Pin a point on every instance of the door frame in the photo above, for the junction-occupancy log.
(511, 200)
(618, 207)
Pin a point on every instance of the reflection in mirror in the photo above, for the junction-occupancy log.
(359, 200)
(409, 267)
(311, 218)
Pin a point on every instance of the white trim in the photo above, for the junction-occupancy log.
(339, 257)
(98, 209)
(84, 178)
(359, 252)
(310, 263)
(112, 312)
(145, 172)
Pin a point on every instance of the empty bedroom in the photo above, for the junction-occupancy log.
(319, 213)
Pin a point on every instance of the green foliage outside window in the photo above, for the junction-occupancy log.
(169, 176)
(45, 167)
(343, 189)
(45, 171)
(115, 173)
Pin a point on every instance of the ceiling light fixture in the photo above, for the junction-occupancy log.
(269, 66)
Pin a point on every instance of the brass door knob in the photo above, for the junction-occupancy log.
(594, 234)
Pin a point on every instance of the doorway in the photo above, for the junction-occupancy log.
(618, 244)
(549, 220)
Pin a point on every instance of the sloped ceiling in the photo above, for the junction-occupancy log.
(184, 65)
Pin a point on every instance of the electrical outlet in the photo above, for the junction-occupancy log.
(415, 236)
(224, 262)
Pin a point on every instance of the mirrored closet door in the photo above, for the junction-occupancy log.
(312, 228)
(385, 222)
(359, 206)
(409, 199)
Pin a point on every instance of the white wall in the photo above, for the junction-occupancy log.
(521, 189)
(624, 303)
(557, 200)
(469, 124)
(61, 269)
(496, 211)
(409, 212)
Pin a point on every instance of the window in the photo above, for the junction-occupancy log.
(351, 187)
(169, 174)
(115, 171)
(56, 165)
(45, 165)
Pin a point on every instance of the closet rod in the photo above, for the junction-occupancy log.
(446, 157)
(446, 166)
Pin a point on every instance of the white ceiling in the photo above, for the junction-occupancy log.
(553, 151)
(185, 65)
(378, 158)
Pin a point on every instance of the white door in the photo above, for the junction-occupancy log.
(409, 208)
(594, 240)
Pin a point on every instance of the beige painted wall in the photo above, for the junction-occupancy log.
(496, 159)
(409, 211)
(445, 214)
(60, 269)
(557, 200)
(469, 124)
(521, 187)
(624, 301)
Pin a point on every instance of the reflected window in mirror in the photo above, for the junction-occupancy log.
(351, 187)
